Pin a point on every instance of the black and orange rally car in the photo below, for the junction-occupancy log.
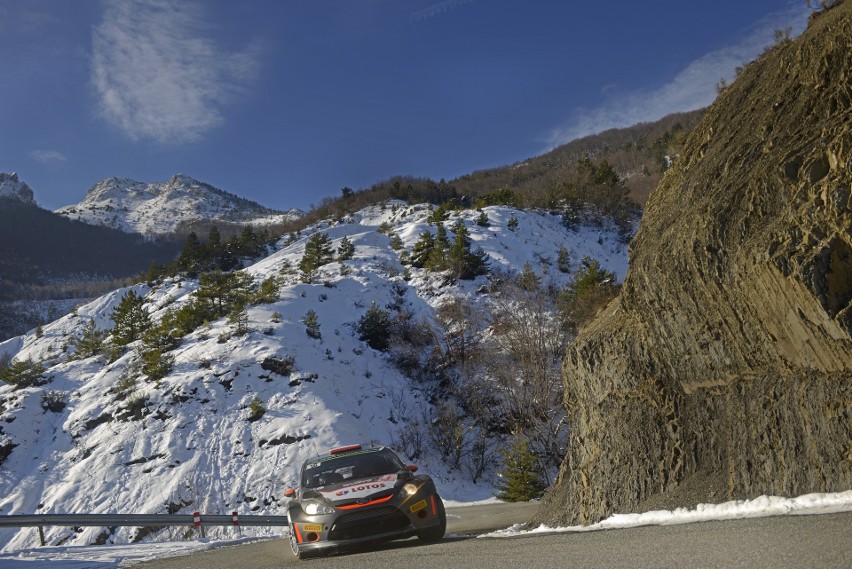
(355, 495)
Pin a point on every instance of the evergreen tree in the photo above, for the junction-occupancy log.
(238, 319)
(23, 373)
(438, 255)
(130, 319)
(375, 327)
(218, 293)
(563, 260)
(156, 364)
(512, 224)
(395, 242)
(318, 252)
(267, 292)
(191, 259)
(462, 263)
(529, 281)
(89, 342)
(521, 477)
(312, 326)
(346, 249)
(422, 250)
(482, 220)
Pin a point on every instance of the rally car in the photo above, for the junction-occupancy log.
(355, 495)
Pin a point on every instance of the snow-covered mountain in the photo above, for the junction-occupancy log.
(160, 208)
(186, 443)
(11, 187)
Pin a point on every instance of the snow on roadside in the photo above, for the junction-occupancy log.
(115, 556)
(761, 507)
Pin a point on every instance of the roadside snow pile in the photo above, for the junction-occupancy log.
(761, 507)
(101, 438)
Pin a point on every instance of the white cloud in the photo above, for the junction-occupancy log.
(48, 156)
(159, 75)
(692, 88)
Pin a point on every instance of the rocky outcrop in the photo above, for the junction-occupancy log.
(12, 187)
(728, 353)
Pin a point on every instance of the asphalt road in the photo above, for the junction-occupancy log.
(823, 541)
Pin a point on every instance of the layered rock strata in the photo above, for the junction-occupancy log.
(729, 350)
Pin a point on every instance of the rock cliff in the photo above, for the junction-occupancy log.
(727, 355)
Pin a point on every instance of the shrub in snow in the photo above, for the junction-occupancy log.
(23, 373)
(374, 327)
(53, 401)
(256, 409)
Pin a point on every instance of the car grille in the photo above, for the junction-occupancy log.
(368, 522)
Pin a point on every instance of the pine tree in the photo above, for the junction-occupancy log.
(422, 250)
(395, 242)
(318, 252)
(312, 326)
(375, 327)
(267, 292)
(512, 224)
(438, 255)
(89, 342)
(482, 220)
(346, 249)
(130, 319)
(191, 258)
(461, 261)
(238, 319)
(23, 373)
(219, 293)
(521, 477)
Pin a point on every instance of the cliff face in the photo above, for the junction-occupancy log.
(729, 350)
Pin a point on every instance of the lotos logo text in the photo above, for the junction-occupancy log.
(359, 489)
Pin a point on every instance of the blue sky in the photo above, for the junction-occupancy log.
(287, 101)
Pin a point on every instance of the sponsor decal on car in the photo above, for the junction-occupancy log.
(418, 506)
(312, 527)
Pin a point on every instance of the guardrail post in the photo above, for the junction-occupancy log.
(196, 521)
(237, 523)
(41, 535)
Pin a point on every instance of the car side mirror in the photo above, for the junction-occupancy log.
(289, 493)
(412, 468)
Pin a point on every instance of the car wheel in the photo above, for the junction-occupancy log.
(435, 533)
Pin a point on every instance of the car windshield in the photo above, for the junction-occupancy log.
(350, 466)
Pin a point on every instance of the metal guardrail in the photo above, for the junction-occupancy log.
(142, 520)
(97, 520)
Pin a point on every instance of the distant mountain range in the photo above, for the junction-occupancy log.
(167, 208)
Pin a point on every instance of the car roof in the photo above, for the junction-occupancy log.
(330, 456)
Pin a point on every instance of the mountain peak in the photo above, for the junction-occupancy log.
(159, 208)
(11, 187)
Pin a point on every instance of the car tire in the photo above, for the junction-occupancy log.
(435, 533)
(294, 547)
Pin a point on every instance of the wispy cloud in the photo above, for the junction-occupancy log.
(436, 9)
(158, 73)
(692, 88)
(48, 156)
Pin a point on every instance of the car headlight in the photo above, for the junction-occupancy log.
(315, 509)
(410, 489)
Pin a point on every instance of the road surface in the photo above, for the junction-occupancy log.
(790, 541)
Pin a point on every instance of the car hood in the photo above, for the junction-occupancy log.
(362, 489)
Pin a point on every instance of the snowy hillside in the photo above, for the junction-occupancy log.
(11, 187)
(185, 443)
(160, 208)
